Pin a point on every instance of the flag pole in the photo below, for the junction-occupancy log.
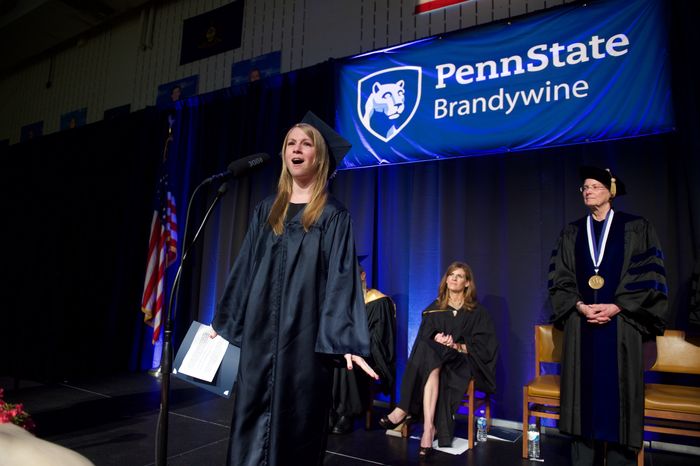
(166, 350)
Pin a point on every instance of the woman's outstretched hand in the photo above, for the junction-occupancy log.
(360, 361)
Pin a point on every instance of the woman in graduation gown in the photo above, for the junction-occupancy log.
(607, 286)
(456, 341)
(293, 304)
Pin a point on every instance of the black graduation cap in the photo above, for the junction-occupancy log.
(613, 183)
(338, 146)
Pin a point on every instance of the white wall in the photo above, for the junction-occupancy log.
(112, 69)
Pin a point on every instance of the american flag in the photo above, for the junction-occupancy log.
(162, 249)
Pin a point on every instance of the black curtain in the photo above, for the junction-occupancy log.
(77, 207)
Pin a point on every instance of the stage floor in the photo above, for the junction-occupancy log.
(112, 421)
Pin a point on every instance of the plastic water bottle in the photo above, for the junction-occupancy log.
(481, 434)
(533, 442)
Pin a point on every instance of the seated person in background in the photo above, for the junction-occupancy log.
(254, 75)
(456, 341)
(351, 389)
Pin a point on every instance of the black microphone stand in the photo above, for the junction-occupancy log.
(166, 360)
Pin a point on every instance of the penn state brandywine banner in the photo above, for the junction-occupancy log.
(573, 74)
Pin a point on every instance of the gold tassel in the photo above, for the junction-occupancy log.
(613, 187)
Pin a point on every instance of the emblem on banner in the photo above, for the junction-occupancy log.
(388, 99)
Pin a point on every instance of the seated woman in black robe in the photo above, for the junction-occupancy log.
(456, 341)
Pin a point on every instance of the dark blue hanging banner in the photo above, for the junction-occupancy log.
(573, 74)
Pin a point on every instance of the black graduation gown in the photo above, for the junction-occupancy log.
(639, 289)
(290, 301)
(351, 388)
(474, 328)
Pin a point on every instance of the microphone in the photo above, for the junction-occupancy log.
(240, 167)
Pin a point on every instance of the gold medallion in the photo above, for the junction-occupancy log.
(596, 282)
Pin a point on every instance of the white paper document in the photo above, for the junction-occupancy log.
(204, 355)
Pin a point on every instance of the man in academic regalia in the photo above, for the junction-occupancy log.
(607, 285)
(351, 389)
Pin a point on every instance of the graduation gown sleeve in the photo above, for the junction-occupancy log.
(642, 292)
(563, 289)
(230, 315)
(482, 347)
(563, 293)
(343, 320)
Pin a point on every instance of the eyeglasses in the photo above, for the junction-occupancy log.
(596, 187)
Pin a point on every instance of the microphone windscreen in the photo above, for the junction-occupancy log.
(240, 166)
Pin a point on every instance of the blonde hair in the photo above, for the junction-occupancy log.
(469, 292)
(319, 195)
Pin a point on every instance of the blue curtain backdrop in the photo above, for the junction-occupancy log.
(78, 241)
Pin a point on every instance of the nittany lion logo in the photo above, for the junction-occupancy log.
(384, 97)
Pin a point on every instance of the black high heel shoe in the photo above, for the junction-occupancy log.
(385, 423)
(424, 452)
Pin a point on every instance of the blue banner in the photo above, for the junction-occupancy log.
(573, 74)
